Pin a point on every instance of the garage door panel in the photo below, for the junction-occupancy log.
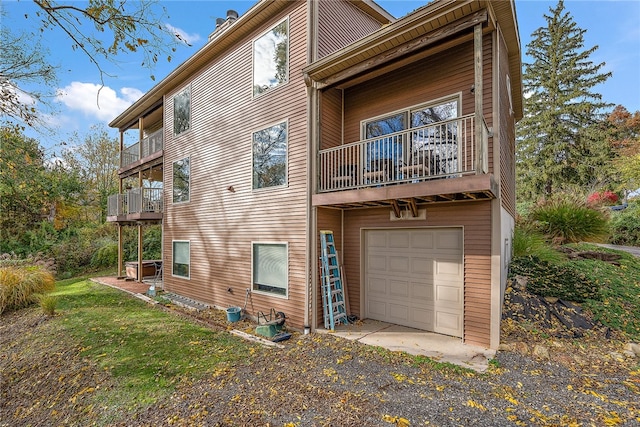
(421, 291)
(377, 286)
(399, 239)
(377, 263)
(398, 264)
(448, 267)
(377, 309)
(422, 316)
(398, 288)
(447, 323)
(449, 239)
(414, 278)
(421, 265)
(377, 240)
(398, 312)
(422, 241)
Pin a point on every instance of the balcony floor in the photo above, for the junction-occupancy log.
(473, 187)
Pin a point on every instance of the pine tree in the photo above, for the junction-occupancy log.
(561, 144)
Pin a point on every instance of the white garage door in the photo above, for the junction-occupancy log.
(414, 277)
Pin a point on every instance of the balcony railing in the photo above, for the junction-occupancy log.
(150, 145)
(439, 150)
(136, 200)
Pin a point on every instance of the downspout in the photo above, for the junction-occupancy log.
(312, 138)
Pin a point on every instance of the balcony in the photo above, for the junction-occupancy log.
(149, 148)
(137, 204)
(372, 172)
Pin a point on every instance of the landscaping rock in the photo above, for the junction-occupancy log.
(632, 349)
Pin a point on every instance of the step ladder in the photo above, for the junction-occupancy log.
(333, 301)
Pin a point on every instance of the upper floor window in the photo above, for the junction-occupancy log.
(181, 178)
(182, 111)
(271, 58)
(270, 156)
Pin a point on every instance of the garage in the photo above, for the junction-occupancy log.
(414, 277)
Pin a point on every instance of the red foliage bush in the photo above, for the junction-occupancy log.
(602, 198)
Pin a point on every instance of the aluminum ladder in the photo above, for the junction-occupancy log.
(333, 302)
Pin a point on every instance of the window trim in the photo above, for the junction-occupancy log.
(286, 175)
(267, 293)
(173, 250)
(253, 62)
(173, 181)
(173, 127)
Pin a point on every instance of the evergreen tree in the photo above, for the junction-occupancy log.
(561, 141)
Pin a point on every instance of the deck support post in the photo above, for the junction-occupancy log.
(478, 92)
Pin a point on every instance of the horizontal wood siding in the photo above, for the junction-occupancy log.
(225, 215)
(444, 74)
(341, 23)
(331, 118)
(475, 217)
(327, 219)
(506, 134)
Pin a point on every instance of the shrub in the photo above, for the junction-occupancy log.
(567, 219)
(554, 280)
(625, 226)
(602, 198)
(527, 241)
(106, 256)
(19, 285)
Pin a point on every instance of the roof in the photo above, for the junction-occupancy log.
(261, 12)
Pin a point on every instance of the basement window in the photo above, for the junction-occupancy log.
(270, 268)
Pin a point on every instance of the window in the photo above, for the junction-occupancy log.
(390, 148)
(181, 258)
(271, 58)
(270, 156)
(181, 180)
(182, 111)
(269, 261)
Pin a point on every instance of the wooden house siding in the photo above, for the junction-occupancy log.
(331, 118)
(225, 215)
(475, 217)
(441, 75)
(341, 23)
(506, 126)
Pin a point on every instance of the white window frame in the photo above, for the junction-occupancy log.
(253, 59)
(286, 170)
(173, 181)
(173, 126)
(286, 267)
(173, 251)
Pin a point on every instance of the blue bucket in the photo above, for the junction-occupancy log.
(233, 314)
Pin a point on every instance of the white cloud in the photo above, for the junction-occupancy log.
(101, 102)
(189, 39)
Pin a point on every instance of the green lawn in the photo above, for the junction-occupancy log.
(146, 350)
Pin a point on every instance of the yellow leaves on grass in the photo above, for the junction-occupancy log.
(399, 421)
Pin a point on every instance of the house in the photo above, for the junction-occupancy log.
(302, 116)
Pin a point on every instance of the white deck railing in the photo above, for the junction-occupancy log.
(444, 149)
(150, 145)
(136, 200)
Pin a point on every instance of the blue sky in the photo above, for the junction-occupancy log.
(613, 25)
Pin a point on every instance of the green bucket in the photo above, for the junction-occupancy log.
(233, 314)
